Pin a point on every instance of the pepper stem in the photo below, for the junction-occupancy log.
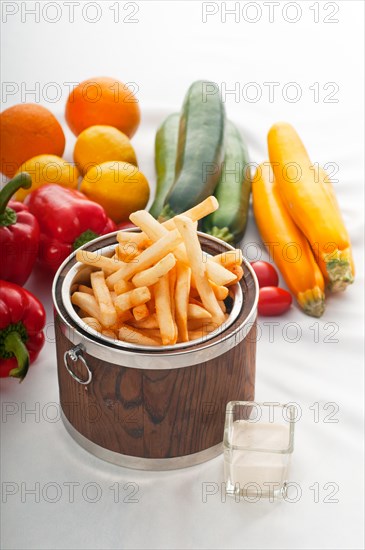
(84, 238)
(22, 180)
(14, 344)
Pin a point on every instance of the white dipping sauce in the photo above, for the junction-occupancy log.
(257, 464)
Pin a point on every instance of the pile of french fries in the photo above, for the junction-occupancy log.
(159, 287)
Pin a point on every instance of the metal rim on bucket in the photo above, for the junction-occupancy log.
(79, 270)
(157, 357)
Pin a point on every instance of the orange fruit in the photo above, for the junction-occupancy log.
(99, 144)
(119, 187)
(27, 130)
(46, 169)
(102, 100)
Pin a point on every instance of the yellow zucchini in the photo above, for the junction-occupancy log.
(280, 234)
(308, 202)
(324, 178)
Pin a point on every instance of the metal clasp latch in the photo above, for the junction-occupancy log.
(76, 354)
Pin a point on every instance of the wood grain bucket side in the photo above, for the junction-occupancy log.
(170, 413)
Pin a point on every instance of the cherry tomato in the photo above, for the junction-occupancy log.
(273, 301)
(266, 274)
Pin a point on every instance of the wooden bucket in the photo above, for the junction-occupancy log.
(155, 408)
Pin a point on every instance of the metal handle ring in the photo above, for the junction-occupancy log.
(75, 354)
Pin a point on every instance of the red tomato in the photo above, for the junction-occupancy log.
(273, 301)
(266, 274)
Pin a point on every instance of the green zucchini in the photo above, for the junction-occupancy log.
(232, 192)
(200, 149)
(165, 158)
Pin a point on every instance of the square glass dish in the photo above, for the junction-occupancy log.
(258, 443)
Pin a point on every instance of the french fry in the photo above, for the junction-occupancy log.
(148, 257)
(122, 286)
(87, 303)
(124, 316)
(86, 289)
(228, 258)
(219, 274)
(159, 287)
(172, 286)
(197, 312)
(163, 311)
(95, 259)
(194, 294)
(221, 292)
(92, 323)
(150, 276)
(194, 252)
(82, 313)
(108, 332)
(143, 220)
(196, 301)
(131, 299)
(127, 252)
(195, 334)
(133, 336)
(147, 223)
(153, 333)
(140, 312)
(202, 330)
(203, 325)
(151, 304)
(216, 272)
(155, 231)
(204, 208)
(237, 271)
(108, 315)
(149, 322)
(139, 239)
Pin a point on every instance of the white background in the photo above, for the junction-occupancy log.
(163, 53)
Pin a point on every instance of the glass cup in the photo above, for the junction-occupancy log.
(258, 443)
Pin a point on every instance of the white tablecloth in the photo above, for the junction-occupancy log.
(167, 47)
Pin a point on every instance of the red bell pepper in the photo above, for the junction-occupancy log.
(67, 220)
(22, 319)
(19, 233)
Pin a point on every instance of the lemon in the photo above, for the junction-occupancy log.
(118, 186)
(99, 144)
(46, 169)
